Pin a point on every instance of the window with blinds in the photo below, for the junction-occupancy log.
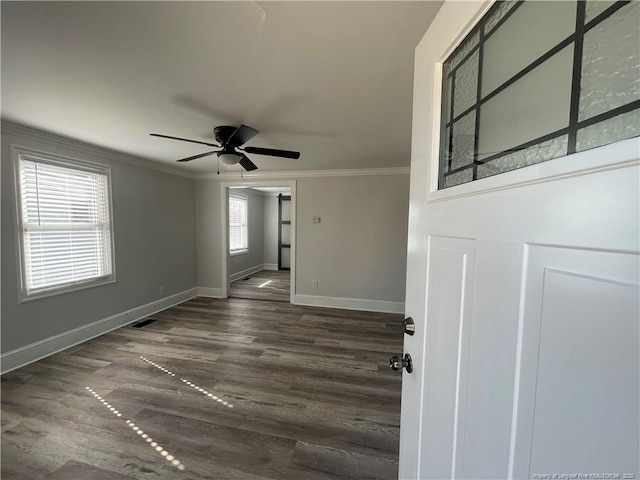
(66, 226)
(238, 234)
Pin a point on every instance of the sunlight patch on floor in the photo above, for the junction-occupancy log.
(192, 385)
(158, 448)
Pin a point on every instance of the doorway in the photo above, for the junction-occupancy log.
(259, 240)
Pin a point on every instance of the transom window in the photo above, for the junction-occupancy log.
(535, 81)
(238, 231)
(65, 225)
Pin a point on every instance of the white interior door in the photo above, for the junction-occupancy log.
(524, 291)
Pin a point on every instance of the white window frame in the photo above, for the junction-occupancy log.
(245, 249)
(434, 49)
(574, 125)
(27, 154)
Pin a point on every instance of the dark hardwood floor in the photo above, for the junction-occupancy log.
(234, 389)
(272, 285)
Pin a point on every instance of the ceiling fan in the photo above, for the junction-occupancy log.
(230, 140)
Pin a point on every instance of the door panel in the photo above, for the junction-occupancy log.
(450, 282)
(518, 287)
(578, 394)
(494, 330)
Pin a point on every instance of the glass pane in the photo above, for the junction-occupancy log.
(57, 257)
(446, 102)
(554, 148)
(463, 140)
(466, 85)
(466, 47)
(444, 154)
(611, 63)
(286, 210)
(535, 105)
(464, 176)
(285, 258)
(286, 234)
(534, 29)
(612, 130)
(595, 8)
(502, 9)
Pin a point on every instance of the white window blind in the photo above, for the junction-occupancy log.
(66, 226)
(238, 237)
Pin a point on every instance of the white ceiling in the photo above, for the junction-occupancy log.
(332, 80)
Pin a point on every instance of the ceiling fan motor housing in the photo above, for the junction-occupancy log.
(222, 133)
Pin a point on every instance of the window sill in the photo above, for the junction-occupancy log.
(50, 292)
(238, 252)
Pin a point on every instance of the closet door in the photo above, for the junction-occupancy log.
(284, 232)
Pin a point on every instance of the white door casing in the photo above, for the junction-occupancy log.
(524, 291)
(224, 232)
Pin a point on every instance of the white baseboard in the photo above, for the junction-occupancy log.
(30, 353)
(350, 303)
(209, 292)
(270, 266)
(248, 271)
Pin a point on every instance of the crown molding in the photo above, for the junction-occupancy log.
(304, 173)
(11, 128)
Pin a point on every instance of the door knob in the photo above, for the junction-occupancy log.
(397, 363)
(409, 326)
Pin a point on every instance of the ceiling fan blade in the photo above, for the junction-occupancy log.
(247, 164)
(273, 152)
(242, 135)
(184, 139)
(188, 159)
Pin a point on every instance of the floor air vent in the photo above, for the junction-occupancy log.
(143, 323)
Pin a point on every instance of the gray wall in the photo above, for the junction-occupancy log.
(208, 225)
(358, 250)
(271, 229)
(254, 255)
(154, 225)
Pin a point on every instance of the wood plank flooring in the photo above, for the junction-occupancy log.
(272, 285)
(233, 389)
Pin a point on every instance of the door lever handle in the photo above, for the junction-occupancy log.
(397, 363)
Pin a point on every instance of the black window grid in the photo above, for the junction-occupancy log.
(574, 125)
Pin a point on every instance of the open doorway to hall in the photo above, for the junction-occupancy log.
(259, 242)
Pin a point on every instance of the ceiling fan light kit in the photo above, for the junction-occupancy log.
(231, 138)
(229, 158)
